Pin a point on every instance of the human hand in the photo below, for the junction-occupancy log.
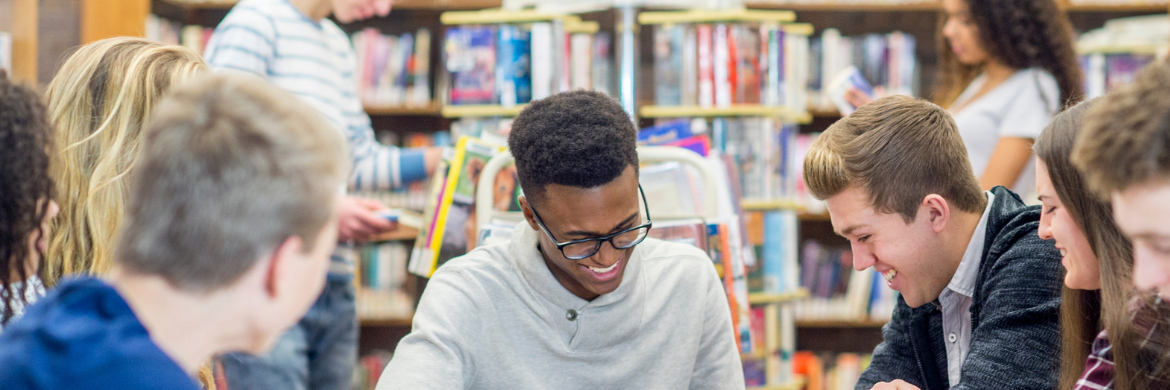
(431, 158)
(359, 221)
(895, 385)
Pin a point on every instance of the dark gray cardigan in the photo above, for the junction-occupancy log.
(1015, 326)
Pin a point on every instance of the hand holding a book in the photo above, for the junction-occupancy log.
(859, 98)
(895, 385)
(359, 220)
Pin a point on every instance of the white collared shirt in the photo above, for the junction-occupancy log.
(957, 297)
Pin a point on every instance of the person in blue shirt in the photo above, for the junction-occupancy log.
(203, 265)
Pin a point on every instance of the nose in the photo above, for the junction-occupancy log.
(862, 258)
(607, 254)
(1045, 229)
(949, 29)
(1148, 272)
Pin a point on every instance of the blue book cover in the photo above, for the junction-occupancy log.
(513, 66)
(665, 133)
(773, 252)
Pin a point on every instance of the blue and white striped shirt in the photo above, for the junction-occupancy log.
(313, 60)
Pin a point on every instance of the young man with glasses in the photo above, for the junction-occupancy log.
(579, 298)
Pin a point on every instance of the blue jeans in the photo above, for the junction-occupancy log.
(318, 353)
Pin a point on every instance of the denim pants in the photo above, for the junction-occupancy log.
(318, 353)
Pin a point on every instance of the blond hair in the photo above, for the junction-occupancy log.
(99, 103)
(232, 167)
(898, 150)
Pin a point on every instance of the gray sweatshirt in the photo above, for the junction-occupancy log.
(497, 319)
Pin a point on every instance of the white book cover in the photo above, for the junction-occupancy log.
(580, 47)
(690, 67)
(6, 51)
(193, 37)
(830, 43)
(722, 72)
(560, 57)
(773, 37)
(542, 61)
(706, 63)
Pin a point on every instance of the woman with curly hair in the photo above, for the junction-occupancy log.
(26, 204)
(1007, 67)
(99, 102)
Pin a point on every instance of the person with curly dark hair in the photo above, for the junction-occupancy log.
(26, 202)
(1006, 68)
(579, 298)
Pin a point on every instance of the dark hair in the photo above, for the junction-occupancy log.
(24, 170)
(581, 139)
(1022, 34)
(1083, 313)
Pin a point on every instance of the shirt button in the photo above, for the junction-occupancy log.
(571, 315)
(952, 337)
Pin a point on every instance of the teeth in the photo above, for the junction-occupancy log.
(604, 270)
(889, 275)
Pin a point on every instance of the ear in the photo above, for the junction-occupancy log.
(937, 212)
(526, 209)
(279, 266)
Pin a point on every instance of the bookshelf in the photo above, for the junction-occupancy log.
(481, 110)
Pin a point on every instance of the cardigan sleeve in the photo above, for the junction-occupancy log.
(894, 357)
(1016, 317)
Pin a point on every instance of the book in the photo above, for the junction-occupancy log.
(580, 47)
(452, 232)
(684, 231)
(381, 277)
(470, 60)
(602, 67)
(846, 80)
(705, 38)
(513, 80)
(6, 51)
(668, 64)
(542, 60)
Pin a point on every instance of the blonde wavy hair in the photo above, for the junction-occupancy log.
(99, 103)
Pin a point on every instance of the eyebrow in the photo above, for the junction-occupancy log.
(848, 230)
(596, 234)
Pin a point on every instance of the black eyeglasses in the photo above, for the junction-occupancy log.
(585, 247)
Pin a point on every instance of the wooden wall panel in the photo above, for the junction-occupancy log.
(102, 19)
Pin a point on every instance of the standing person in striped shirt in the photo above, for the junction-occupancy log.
(293, 45)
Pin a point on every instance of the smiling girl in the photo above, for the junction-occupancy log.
(1105, 329)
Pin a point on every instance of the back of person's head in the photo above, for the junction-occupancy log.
(579, 139)
(99, 102)
(897, 150)
(1020, 34)
(1083, 312)
(26, 198)
(231, 168)
(1126, 139)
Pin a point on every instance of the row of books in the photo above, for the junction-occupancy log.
(414, 196)
(382, 281)
(169, 32)
(1112, 55)
(826, 371)
(768, 156)
(393, 70)
(725, 64)
(838, 291)
(512, 64)
(885, 60)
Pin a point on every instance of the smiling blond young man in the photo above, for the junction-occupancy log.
(979, 291)
(579, 298)
(1124, 153)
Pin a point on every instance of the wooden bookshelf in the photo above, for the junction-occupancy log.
(770, 204)
(386, 322)
(767, 298)
(433, 109)
(840, 324)
(478, 110)
(718, 15)
(402, 233)
(500, 16)
(785, 113)
(1123, 49)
